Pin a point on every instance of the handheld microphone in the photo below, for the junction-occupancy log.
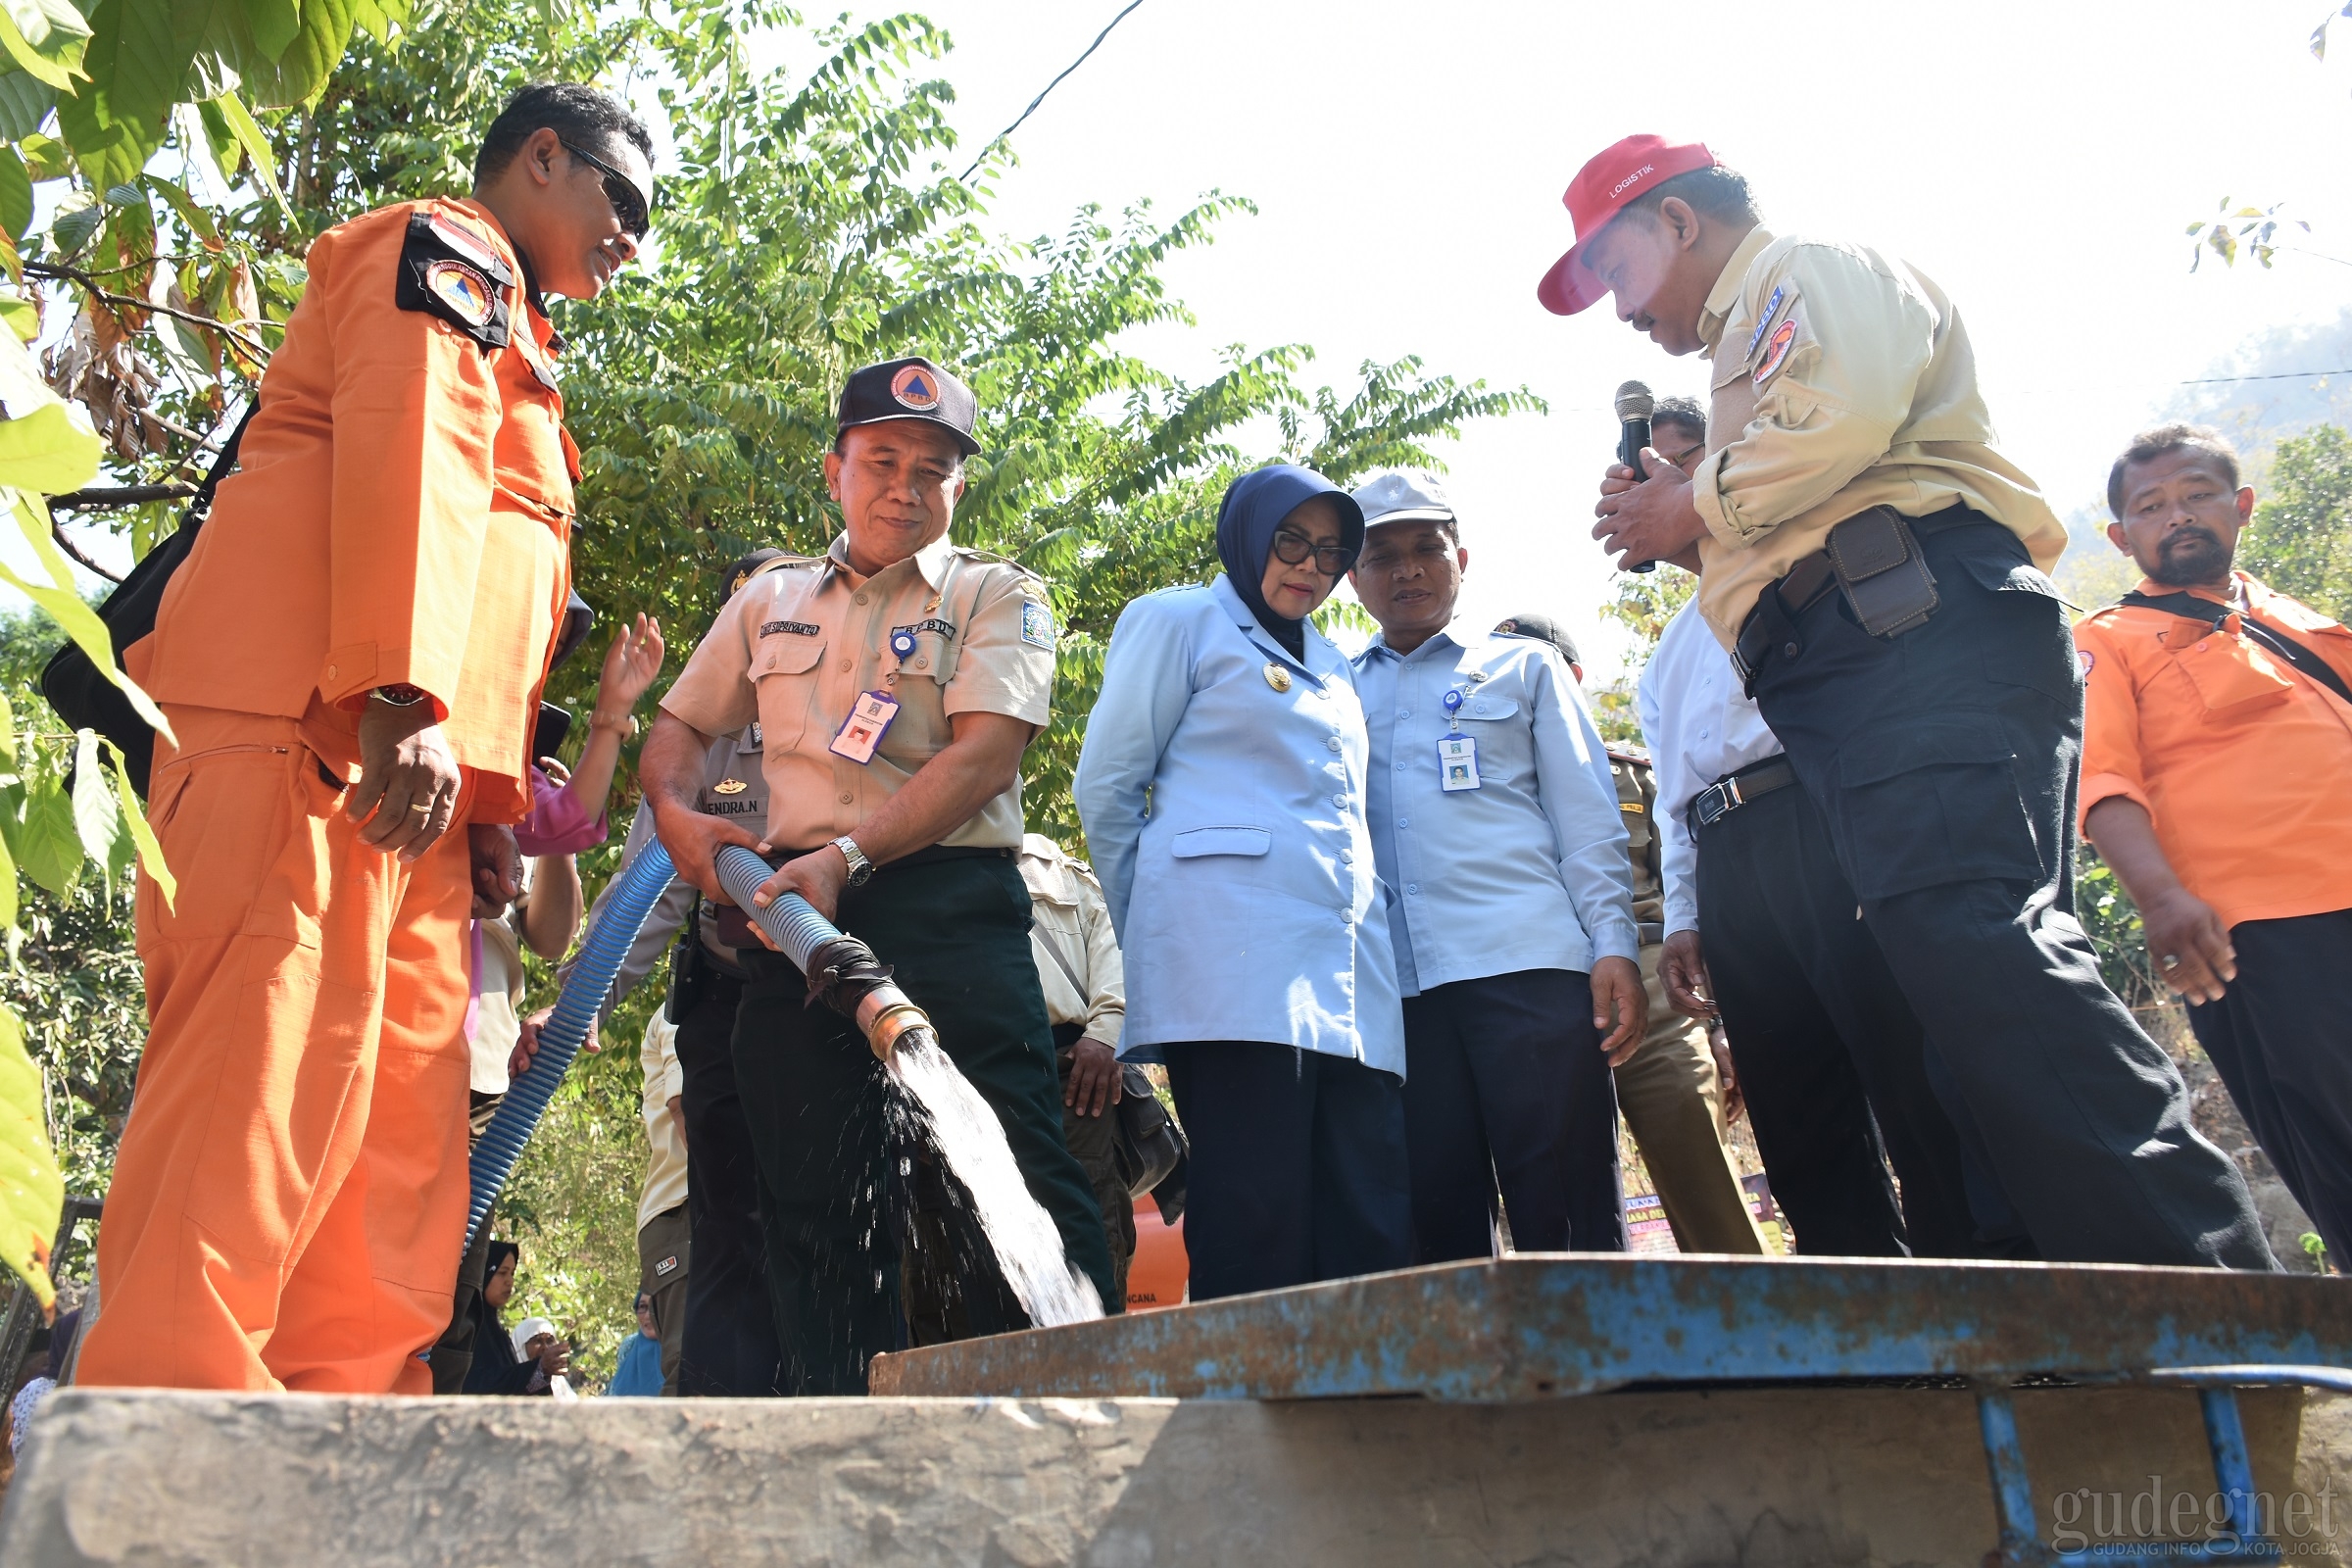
(1635, 404)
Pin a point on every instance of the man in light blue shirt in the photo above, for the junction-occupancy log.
(1495, 831)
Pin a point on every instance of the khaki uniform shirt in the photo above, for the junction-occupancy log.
(1638, 802)
(1078, 964)
(664, 1081)
(800, 643)
(1841, 381)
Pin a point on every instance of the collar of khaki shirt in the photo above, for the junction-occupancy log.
(1726, 292)
(931, 561)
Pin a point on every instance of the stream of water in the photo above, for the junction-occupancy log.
(954, 1119)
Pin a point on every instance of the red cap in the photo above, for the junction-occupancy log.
(1600, 193)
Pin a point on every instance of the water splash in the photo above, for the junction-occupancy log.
(950, 1116)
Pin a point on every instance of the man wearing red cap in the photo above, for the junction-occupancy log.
(1877, 569)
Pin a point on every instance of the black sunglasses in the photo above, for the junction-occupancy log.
(629, 203)
(1294, 549)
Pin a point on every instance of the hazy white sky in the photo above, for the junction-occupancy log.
(2039, 161)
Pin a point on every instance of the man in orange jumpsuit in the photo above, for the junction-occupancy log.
(351, 661)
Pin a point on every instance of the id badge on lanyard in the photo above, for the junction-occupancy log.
(1458, 752)
(862, 731)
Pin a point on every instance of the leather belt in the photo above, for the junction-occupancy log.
(1771, 625)
(1728, 794)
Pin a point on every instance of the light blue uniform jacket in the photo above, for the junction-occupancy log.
(1246, 902)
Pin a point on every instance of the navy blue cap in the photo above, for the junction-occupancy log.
(910, 389)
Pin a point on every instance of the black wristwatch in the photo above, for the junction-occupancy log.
(860, 866)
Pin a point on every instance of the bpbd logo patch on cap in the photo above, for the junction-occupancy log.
(915, 387)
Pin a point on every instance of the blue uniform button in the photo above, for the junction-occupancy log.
(1348, 857)
(1340, 801)
(1412, 887)
(1333, 743)
(1404, 821)
(1404, 713)
(1400, 767)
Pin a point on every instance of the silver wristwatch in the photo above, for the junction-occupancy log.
(860, 866)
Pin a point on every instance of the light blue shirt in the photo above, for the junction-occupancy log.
(1527, 871)
(1222, 787)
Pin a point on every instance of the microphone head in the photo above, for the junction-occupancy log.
(1634, 402)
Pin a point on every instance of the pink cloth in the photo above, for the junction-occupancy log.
(558, 824)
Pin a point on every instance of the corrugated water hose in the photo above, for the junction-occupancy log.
(841, 971)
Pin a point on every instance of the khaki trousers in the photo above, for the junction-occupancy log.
(1672, 1100)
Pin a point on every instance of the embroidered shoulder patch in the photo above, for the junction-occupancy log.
(797, 628)
(446, 272)
(1776, 352)
(1037, 624)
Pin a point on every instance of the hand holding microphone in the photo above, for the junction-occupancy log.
(1646, 510)
(1634, 404)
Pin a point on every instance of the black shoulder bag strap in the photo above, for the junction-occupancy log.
(2190, 607)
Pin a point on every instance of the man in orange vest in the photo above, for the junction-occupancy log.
(2217, 738)
(351, 661)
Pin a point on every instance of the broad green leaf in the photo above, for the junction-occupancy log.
(46, 24)
(298, 71)
(32, 1191)
(200, 223)
(228, 151)
(273, 24)
(16, 194)
(25, 102)
(377, 18)
(47, 845)
(23, 317)
(48, 38)
(68, 608)
(135, 64)
(46, 156)
(73, 230)
(50, 451)
(97, 822)
(151, 853)
(249, 135)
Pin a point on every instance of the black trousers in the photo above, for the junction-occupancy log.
(1945, 763)
(2281, 1039)
(729, 1347)
(956, 933)
(1505, 1088)
(1298, 1170)
(1822, 1039)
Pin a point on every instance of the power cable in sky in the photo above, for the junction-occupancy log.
(2282, 376)
(1049, 86)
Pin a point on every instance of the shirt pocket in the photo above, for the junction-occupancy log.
(1493, 722)
(1932, 803)
(2230, 676)
(1199, 842)
(784, 673)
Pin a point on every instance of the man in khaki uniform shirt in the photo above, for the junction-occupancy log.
(664, 1238)
(896, 680)
(1876, 568)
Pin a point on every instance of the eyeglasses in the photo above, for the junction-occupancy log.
(628, 202)
(1294, 549)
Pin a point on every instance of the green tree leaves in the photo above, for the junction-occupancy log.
(2301, 540)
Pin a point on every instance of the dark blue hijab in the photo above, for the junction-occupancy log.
(1255, 506)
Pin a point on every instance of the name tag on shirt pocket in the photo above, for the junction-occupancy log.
(1204, 840)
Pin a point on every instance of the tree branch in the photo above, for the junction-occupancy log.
(58, 533)
(128, 495)
(71, 274)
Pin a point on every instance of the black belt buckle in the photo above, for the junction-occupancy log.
(1716, 802)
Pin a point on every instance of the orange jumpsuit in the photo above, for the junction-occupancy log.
(289, 1199)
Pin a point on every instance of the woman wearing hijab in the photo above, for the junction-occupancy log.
(500, 1365)
(1222, 786)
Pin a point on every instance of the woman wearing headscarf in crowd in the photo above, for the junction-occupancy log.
(500, 1365)
(1222, 786)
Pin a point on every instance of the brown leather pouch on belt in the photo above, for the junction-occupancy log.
(1885, 577)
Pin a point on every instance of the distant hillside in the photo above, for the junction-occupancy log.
(2252, 412)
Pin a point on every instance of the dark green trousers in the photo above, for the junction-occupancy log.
(956, 932)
